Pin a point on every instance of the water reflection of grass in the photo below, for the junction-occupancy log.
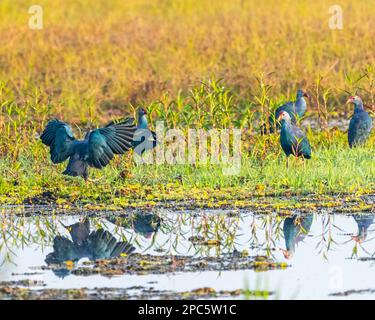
(194, 233)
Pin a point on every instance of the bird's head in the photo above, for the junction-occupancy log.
(284, 116)
(142, 112)
(287, 254)
(357, 239)
(302, 93)
(356, 100)
(69, 228)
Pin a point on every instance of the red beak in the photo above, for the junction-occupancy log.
(350, 100)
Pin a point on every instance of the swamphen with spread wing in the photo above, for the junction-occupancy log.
(292, 139)
(98, 244)
(360, 124)
(296, 109)
(96, 150)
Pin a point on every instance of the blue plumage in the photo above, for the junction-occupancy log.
(59, 136)
(296, 109)
(360, 124)
(292, 139)
(145, 224)
(363, 222)
(96, 150)
(144, 139)
(295, 229)
(98, 244)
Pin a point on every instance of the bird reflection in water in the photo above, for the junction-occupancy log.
(363, 223)
(295, 229)
(145, 224)
(98, 244)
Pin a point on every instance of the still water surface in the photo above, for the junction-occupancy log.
(326, 253)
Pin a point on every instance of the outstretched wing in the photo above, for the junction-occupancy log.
(103, 245)
(104, 143)
(59, 137)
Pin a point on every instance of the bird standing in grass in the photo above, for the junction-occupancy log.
(296, 109)
(144, 139)
(96, 150)
(292, 139)
(360, 124)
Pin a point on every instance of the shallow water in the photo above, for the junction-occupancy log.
(326, 253)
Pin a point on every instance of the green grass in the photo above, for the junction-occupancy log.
(26, 170)
(333, 169)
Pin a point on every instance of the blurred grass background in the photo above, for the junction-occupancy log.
(92, 58)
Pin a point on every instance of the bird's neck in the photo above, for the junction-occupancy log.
(142, 122)
(358, 106)
(362, 233)
(290, 245)
(285, 124)
(301, 105)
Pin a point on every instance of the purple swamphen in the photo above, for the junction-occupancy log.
(292, 139)
(96, 150)
(296, 109)
(360, 124)
(144, 139)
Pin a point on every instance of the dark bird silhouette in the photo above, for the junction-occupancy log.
(143, 224)
(99, 244)
(292, 139)
(296, 109)
(295, 229)
(96, 150)
(79, 231)
(144, 139)
(360, 124)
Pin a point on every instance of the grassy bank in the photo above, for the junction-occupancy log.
(334, 169)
